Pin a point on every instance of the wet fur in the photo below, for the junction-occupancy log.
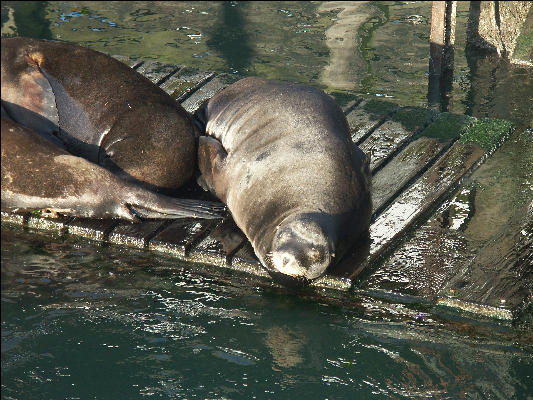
(277, 151)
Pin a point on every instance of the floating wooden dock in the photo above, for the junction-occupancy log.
(418, 159)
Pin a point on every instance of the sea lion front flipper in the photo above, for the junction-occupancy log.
(211, 161)
(361, 163)
(36, 174)
(170, 208)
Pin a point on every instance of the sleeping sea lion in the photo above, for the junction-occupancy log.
(98, 108)
(37, 174)
(281, 158)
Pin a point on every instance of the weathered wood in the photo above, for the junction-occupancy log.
(245, 260)
(441, 53)
(219, 246)
(130, 62)
(179, 237)
(437, 36)
(185, 81)
(426, 148)
(389, 137)
(367, 116)
(59, 224)
(96, 229)
(13, 218)
(435, 256)
(157, 72)
(438, 264)
(389, 181)
(135, 235)
(498, 276)
(206, 91)
(418, 199)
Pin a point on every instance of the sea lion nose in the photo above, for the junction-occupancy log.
(286, 262)
(299, 262)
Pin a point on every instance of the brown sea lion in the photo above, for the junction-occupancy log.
(281, 158)
(98, 108)
(37, 174)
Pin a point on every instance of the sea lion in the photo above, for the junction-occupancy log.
(37, 174)
(281, 158)
(98, 108)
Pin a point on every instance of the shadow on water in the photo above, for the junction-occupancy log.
(30, 18)
(230, 37)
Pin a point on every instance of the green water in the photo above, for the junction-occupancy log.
(86, 321)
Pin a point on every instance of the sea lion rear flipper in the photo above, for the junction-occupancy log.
(211, 161)
(170, 208)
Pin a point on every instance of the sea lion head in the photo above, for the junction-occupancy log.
(301, 247)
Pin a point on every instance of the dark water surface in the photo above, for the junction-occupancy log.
(86, 321)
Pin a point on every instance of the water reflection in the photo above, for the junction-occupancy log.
(492, 80)
(26, 18)
(230, 37)
(286, 346)
(144, 325)
(343, 39)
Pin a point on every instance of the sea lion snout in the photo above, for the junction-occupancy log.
(301, 248)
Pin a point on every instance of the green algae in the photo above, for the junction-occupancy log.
(447, 127)
(486, 132)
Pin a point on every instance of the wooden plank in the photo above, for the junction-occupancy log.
(14, 218)
(157, 72)
(389, 182)
(367, 116)
(438, 263)
(245, 260)
(185, 81)
(208, 90)
(421, 196)
(135, 235)
(178, 237)
(504, 284)
(389, 137)
(59, 224)
(96, 229)
(219, 246)
(496, 278)
(418, 156)
(435, 254)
